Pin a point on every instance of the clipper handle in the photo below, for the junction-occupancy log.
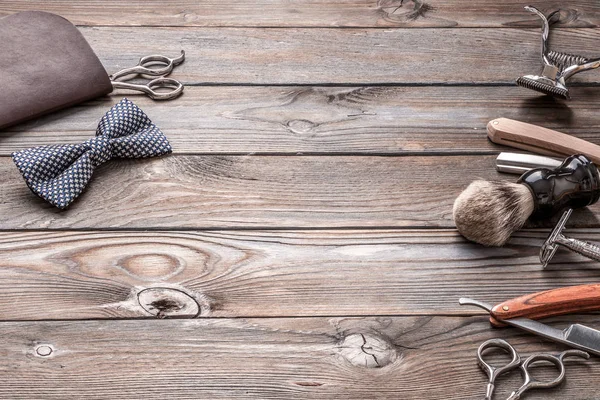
(573, 184)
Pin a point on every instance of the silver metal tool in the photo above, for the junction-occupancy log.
(557, 239)
(151, 66)
(528, 383)
(557, 66)
(519, 163)
(577, 336)
(493, 372)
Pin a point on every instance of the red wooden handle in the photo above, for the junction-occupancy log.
(497, 324)
(567, 300)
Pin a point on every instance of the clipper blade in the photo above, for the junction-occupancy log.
(544, 85)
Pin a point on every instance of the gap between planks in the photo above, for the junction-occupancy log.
(254, 191)
(360, 56)
(315, 14)
(383, 121)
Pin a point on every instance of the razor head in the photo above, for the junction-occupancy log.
(550, 245)
(544, 85)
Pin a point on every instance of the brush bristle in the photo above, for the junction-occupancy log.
(489, 212)
(543, 87)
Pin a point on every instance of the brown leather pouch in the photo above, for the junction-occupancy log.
(45, 65)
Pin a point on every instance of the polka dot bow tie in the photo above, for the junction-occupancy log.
(59, 173)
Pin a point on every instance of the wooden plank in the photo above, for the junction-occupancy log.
(92, 275)
(312, 13)
(297, 358)
(325, 120)
(280, 56)
(261, 191)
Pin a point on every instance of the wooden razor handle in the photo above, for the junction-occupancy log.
(567, 300)
(539, 140)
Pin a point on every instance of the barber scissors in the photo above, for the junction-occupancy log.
(515, 362)
(151, 66)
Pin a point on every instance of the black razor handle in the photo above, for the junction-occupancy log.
(573, 184)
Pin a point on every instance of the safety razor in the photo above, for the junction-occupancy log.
(557, 239)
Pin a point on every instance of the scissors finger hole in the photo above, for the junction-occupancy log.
(497, 354)
(164, 85)
(496, 357)
(544, 371)
(154, 68)
(164, 88)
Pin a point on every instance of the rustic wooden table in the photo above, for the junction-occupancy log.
(299, 242)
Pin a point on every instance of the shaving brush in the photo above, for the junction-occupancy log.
(489, 212)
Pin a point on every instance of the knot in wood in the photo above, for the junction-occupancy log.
(365, 350)
(564, 16)
(413, 9)
(168, 303)
(300, 126)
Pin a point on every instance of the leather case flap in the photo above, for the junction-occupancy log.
(45, 64)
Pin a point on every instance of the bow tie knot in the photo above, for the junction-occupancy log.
(99, 149)
(59, 173)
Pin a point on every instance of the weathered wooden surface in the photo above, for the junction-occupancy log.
(260, 191)
(280, 56)
(299, 242)
(312, 13)
(316, 358)
(326, 120)
(86, 275)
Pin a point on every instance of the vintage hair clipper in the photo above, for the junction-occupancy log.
(558, 67)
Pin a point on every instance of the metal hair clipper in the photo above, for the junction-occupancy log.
(558, 67)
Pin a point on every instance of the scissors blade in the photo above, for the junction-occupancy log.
(577, 336)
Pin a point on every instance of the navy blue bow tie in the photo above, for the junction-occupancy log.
(59, 173)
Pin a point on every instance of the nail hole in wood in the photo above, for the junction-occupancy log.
(43, 350)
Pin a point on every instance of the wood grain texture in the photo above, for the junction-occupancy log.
(91, 275)
(282, 56)
(301, 358)
(311, 13)
(260, 191)
(273, 78)
(326, 120)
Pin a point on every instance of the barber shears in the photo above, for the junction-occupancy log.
(515, 362)
(157, 67)
(522, 312)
